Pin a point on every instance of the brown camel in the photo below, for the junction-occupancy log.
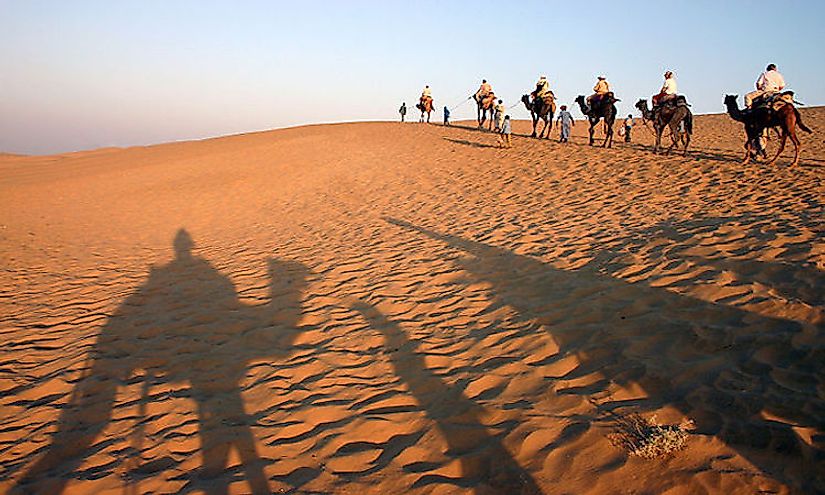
(541, 108)
(484, 105)
(425, 104)
(757, 119)
(672, 116)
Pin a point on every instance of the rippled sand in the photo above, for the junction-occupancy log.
(386, 308)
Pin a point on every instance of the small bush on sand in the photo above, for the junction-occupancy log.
(647, 438)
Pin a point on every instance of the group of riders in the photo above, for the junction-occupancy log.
(769, 86)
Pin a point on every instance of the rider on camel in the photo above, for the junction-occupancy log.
(770, 82)
(601, 89)
(427, 93)
(483, 90)
(668, 91)
(542, 88)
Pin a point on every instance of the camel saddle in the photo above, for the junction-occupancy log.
(600, 100)
(773, 101)
(679, 101)
(488, 100)
(548, 98)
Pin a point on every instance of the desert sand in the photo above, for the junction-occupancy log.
(392, 308)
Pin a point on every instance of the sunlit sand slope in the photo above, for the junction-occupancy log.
(402, 308)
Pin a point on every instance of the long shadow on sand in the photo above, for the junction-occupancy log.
(470, 143)
(484, 460)
(185, 324)
(753, 381)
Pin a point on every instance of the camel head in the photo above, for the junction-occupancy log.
(525, 99)
(641, 104)
(733, 107)
(579, 99)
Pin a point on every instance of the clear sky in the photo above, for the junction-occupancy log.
(83, 74)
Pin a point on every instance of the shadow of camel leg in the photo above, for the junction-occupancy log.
(82, 420)
(223, 425)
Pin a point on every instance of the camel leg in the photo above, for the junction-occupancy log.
(797, 145)
(686, 141)
(608, 135)
(591, 131)
(747, 158)
(783, 138)
(674, 137)
(548, 125)
(658, 142)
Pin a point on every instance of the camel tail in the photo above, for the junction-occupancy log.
(799, 122)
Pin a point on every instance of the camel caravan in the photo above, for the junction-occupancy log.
(769, 107)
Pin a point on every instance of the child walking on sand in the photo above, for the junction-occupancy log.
(504, 134)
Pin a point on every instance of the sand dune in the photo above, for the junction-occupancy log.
(403, 308)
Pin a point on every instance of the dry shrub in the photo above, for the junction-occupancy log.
(647, 438)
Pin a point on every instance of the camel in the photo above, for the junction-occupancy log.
(541, 108)
(484, 105)
(672, 117)
(604, 109)
(756, 120)
(425, 104)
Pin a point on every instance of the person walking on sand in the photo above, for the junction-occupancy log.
(446, 115)
(499, 114)
(628, 126)
(403, 110)
(566, 121)
(504, 134)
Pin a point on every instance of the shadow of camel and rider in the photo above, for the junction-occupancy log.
(184, 324)
(734, 372)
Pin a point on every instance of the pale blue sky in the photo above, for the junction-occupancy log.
(84, 74)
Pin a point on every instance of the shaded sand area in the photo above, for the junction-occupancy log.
(386, 308)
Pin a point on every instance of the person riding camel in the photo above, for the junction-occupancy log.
(769, 83)
(668, 91)
(601, 89)
(542, 88)
(483, 90)
(426, 93)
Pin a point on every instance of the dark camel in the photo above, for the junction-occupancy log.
(425, 104)
(485, 105)
(757, 120)
(605, 109)
(541, 108)
(671, 116)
